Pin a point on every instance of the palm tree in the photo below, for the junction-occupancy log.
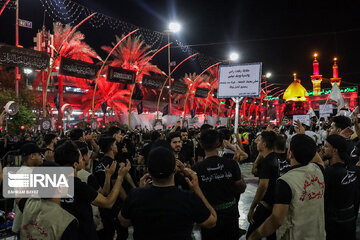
(75, 48)
(193, 82)
(134, 54)
(131, 54)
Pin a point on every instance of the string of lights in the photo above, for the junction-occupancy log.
(70, 12)
(10, 5)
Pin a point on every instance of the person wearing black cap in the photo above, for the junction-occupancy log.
(340, 192)
(162, 211)
(30, 155)
(298, 211)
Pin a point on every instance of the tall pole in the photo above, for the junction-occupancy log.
(17, 44)
(169, 71)
(237, 102)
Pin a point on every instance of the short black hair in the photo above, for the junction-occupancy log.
(49, 137)
(83, 147)
(173, 135)
(209, 139)
(341, 122)
(76, 134)
(303, 148)
(105, 143)
(155, 135)
(205, 127)
(67, 154)
(226, 132)
(280, 143)
(269, 137)
(113, 130)
(183, 130)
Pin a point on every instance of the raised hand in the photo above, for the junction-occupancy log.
(124, 168)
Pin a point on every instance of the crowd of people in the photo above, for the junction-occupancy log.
(166, 183)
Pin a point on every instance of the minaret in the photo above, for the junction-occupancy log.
(316, 78)
(335, 78)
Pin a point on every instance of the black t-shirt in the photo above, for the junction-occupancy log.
(80, 207)
(91, 181)
(163, 212)
(284, 165)
(199, 152)
(71, 231)
(283, 193)
(145, 151)
(352, 152)
(341, 186)
(216, 179)
(187, 151)
(268, 168)
(100, 176)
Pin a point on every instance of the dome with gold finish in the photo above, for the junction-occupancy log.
(295, 91)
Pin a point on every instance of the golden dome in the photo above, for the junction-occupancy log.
(295, 91)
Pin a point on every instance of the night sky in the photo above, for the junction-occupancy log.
(281, 34)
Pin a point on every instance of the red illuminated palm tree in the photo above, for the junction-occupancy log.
(193, 82)
(75, 48)
(107, 91)
(134, 54)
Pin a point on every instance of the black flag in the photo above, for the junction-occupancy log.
(166, 110)
(192, 112)
(57, 101)
(104, 106)
(140, 108)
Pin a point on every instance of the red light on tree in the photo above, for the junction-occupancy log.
(59, 127)
(22, 127)
(103, 126)
(75, 126)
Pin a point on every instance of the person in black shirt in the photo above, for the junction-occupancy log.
(220, 180)
(280, 150)
(174, 139)
(68, 154)
(187, 150)
(199, 151)
(162, 211)
(341, 126)
(268, 171)
(341, 186)
(108, 216)
(155, 137)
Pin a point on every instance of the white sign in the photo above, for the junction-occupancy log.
(325, 115)
(239, 80)
(304, 119)
(328, 108)
(24, 23)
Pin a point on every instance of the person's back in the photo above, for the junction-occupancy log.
(341, 184)
(220, 180)
(40, 220)
(308, 187)
(163, 212)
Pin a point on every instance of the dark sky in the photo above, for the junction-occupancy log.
(282, 34)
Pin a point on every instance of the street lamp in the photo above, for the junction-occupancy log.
(234, 56)
(173, 28)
